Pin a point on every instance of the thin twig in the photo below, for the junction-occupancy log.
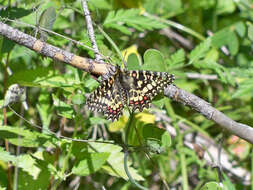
(173, 35)
(91, 33)
(201, 76)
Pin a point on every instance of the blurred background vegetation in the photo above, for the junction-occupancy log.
(206, 44)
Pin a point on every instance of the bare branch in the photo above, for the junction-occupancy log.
(241, 130)
(201, 76)
(91, 34)
(53, 52)
(89, 65)
(173, 35)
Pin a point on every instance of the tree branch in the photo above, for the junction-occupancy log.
(241, 130)
(53, 52)
(89, 65)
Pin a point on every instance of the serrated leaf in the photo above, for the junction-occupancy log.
(176, 59)
(200, 51)
(245, 88)
(131, 18)
(115, 162)
(90, 163)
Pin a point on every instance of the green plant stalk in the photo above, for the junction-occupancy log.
(180, 144)
(194, 126)
(111, 42)
(176, 25)
(131, 179)
(65, 162)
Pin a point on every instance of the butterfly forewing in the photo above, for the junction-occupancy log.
(145, 86)
(133, 88)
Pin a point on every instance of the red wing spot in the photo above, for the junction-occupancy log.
(114, 112)
(110, 81)
(134, 75)
(136, 103)
(118, 110)
(142, 102)
(131, 102)
(145, 97)
(111, 110)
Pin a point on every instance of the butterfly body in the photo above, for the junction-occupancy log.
(133, 88)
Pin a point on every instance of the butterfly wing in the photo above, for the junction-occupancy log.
(144, 86)
(108, 98)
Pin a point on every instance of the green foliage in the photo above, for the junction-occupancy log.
(174, 41)
(131, 18)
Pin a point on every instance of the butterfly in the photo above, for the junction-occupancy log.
(136, 89)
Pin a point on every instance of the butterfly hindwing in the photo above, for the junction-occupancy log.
(108, 98)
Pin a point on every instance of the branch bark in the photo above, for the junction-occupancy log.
(91, 31)
(241, 130)
(86, 64)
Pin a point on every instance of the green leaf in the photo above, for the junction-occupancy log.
(90, 163)
(6, 156)
(133, 62)
(166, 140)
(227, 183)
(227, 6)
(226, 37)
(250, 30)
(78, 99)
(47, 19)
(211, 185)
(25, 138)
(14, 12)
(200, 51)
(98, 120)
(115, 162)
(41, 76)
(101, 4)
(32, 167)
(245, 88)
(154, 61)
(45, 108)
(34, 173)
(63, 109)
(132, 18)
(177, 59)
